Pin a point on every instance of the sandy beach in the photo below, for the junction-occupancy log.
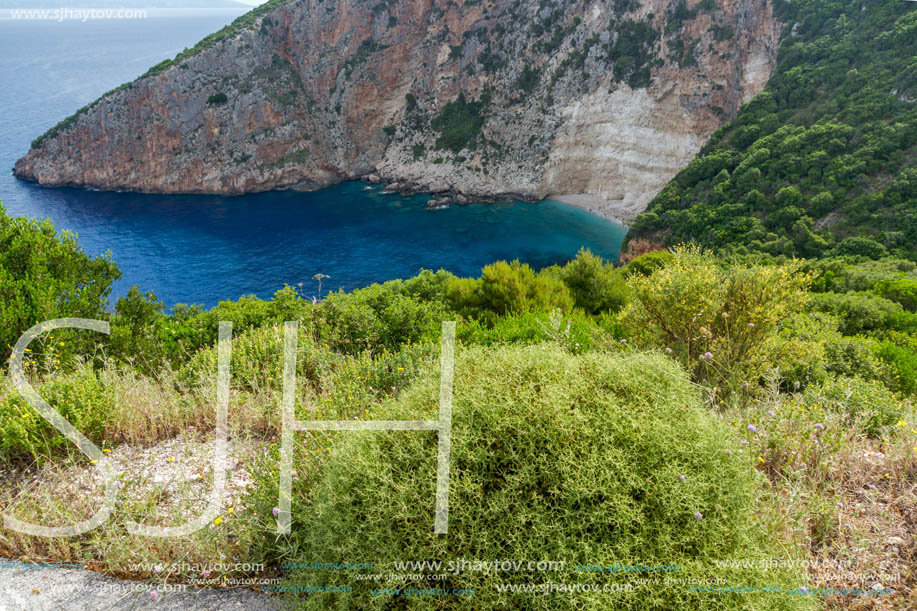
(614, 210)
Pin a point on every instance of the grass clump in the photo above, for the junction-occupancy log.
(81, 398)
(553, 457)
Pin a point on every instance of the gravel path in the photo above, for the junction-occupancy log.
(81, 590)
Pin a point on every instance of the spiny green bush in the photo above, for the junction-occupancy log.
(81, 398)
(584, 459)
(858, 312)
(720, 323)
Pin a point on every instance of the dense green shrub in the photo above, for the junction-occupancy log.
(857, 312)
(720, 323)
(648, 263)
(143, 335)
(900, 290)
(867, 406)
(81, 398)
(595, 285)
(575, 332)
(217, 99)
(553, 457)
(257, 360)
(818, 349)
(382, 316)
(45, 275)
(846, 274)
(505, 288)
(459, 123)
(901, 358)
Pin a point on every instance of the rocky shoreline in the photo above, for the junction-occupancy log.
(426, 96)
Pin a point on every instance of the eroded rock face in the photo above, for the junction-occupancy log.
(480, 98)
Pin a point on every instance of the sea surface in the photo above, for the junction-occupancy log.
(203, 249)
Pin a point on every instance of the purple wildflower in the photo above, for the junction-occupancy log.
(820, 426)
(708, 355)
(744, 443)
(752, 428)
(154, 595)
(771, 413)
(275, 510)
(681, 478)
(698, 516)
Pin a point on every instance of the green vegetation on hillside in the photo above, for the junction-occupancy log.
(824, 160)
(681, 409)
(459, 123)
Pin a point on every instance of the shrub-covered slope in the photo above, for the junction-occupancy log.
(587, 459)
(824, 160)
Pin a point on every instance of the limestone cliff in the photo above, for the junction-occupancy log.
(475, 98)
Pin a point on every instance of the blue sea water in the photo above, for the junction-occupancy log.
(202, 249)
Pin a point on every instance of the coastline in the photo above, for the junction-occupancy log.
(613, 210)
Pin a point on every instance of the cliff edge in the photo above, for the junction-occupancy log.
(604, 101)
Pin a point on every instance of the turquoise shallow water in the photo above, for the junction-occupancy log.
(201, 249)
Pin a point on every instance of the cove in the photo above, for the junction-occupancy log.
(206, 248)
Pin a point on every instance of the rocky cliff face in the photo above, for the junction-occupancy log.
(603, 100)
